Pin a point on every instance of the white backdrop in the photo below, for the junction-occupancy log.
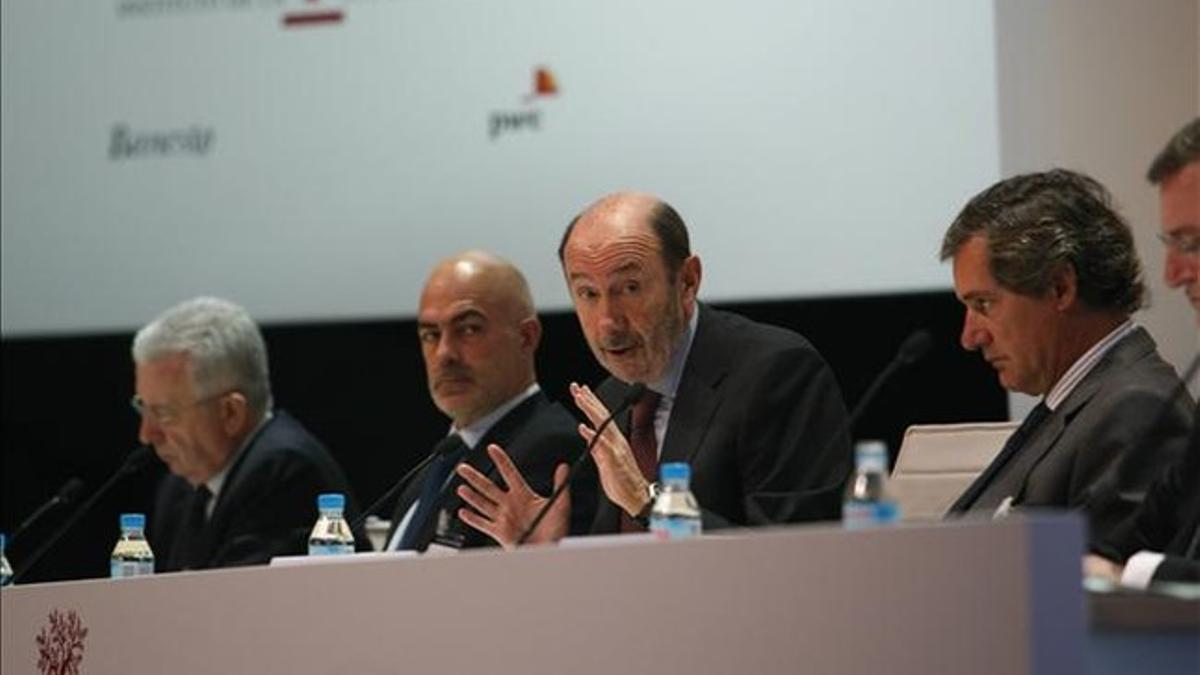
(158, 149)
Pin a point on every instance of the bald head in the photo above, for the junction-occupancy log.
(479, 334)
(486, 276)
(633, 214)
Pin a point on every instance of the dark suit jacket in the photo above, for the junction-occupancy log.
(267, 505)
(1169, 519)
(759, 417)
(1101, 448)
(538, 435)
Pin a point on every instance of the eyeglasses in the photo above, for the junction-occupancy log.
(1184, 243)
(169, 414)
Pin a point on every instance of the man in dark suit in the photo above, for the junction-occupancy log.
(244, 479)
(753, 408)
(479, 334)
(1049, 276)
(1164, 544)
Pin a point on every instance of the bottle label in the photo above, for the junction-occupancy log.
(675, 528)
(858, 515)
(121, 569)
(330, 549)
(887, 513)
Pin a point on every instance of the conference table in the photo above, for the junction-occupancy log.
(963, 597)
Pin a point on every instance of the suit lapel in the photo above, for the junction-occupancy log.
(220, 512)
(1044, 438)
(1135, 345)
(696, 397)
(503, 433)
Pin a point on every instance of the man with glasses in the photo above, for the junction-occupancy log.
(1176, 172)
(244, 478)
(1049, 276)
(1164, 544)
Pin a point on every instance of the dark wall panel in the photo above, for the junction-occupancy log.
(361, 388)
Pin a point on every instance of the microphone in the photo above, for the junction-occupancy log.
(440, 449)
(635, 392)
(913, 349)
(134, 462)
(66, 494)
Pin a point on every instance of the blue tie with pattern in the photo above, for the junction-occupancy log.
(450, 452)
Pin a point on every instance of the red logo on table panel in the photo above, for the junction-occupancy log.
(60, 644)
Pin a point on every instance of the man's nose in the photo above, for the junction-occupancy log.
(149, 433)
(973, 334)
(447, 348)
(1180, 268)
(612, 315)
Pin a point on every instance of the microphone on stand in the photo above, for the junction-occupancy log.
(134, 462)
(635, 392)
(440, 449)
(913, 349)
(66, 494)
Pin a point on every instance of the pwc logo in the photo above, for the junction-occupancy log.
(544, 84)
(526, 118)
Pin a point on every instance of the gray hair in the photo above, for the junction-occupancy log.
(226, 349)
(1037, 223)
(1181, 150)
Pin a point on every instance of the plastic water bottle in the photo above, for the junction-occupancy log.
(675, 514)
(868, 502)
(6, 570)
(331, 535)
(132, 557)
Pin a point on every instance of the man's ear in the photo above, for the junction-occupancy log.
(1065, 288)
(235, 413)
(689, 281)
(530, 330)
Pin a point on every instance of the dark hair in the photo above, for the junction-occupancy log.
(1181, 150)
(668, 227)
(1036, 223)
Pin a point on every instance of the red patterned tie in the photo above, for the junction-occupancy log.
(644, 445)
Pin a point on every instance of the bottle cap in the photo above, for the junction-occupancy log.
(675, 471)
(133, 521)
(871, 453)
(331, 501)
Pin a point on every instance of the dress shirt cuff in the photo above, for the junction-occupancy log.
(1140, 568)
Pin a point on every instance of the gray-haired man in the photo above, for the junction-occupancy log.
(244, 478)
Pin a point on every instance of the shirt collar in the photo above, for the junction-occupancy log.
(1084, 365)
(474, 432)
(669, 382)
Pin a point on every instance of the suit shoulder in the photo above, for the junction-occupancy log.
(284, 445)
(554, 424)
(1147, 379)
(737, 335)
(556, 416)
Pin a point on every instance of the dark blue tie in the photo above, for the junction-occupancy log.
(450, 452)
(189, 552)
(1011, 447)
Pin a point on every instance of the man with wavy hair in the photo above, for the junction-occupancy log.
(1049, 277)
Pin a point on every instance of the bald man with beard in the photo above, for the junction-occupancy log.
(479, 334)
